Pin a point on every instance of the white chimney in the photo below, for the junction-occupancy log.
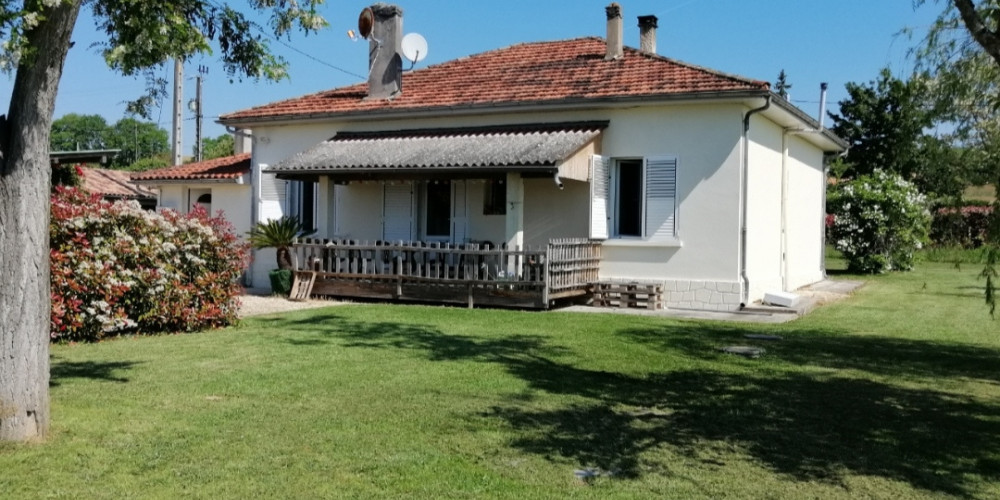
(385, 62)
(615, 50)
(647, 34)
(242, 141)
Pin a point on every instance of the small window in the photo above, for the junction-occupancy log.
(495, 197)
(642, 198)
(628, 196)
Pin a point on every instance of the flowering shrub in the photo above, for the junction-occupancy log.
(966, 226)
(116, 267)
(879, 221)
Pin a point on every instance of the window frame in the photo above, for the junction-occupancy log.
(651, 231)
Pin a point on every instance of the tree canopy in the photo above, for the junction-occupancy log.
(135, 138)
(141, 37)
(882, 121)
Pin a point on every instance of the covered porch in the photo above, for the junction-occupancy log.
(495, 215)
(469, 273)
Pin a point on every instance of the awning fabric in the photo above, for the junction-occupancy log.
(526, 148)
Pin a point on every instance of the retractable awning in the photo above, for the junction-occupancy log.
(538, 148)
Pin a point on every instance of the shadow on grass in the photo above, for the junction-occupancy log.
(61, 370)
(830, 349)
(809, 426)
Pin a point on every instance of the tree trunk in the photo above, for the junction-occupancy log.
(988, 39)
(24, 229)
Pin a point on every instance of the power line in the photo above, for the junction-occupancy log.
(300, 51)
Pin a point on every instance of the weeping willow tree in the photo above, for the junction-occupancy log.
(140, 38)
(960, 57)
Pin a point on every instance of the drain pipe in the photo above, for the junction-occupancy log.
(744, 191)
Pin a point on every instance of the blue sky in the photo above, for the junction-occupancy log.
(834, 41)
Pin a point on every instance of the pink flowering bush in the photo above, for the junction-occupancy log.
(118, 268)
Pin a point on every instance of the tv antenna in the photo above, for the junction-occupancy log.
(414, 48)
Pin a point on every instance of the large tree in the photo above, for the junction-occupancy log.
(141, 35)
(883, 121)
(137, 139)
(74, 132)
(961, 53)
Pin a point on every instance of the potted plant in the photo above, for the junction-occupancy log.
(279, 234)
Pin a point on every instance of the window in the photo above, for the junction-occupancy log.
(495, 197)
(301, 198)
(628, 198)
(634, 198)
(438, 210)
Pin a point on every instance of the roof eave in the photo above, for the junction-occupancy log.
(496, 107)
(156, 182)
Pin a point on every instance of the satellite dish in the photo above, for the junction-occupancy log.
(414, 48)
(365, 22)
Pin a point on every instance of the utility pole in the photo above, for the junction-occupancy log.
(177, 150)
(195, 106)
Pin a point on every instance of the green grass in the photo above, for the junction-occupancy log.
(985, 193)
(894, 393)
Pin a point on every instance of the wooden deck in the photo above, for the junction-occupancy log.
(468, 274)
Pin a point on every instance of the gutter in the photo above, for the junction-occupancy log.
(744, 191)
(157, 182)
(502, 107)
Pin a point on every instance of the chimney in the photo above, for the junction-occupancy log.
(385, 64)
(647, 34)
(615, 51)
(242, 141)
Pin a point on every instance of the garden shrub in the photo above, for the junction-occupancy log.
(966, 227)
(879, 221)
(118, 268)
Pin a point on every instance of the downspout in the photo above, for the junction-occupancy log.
(783, 234)
(744, 191)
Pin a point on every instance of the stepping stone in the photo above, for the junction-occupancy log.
(759, 336)
(743, 350)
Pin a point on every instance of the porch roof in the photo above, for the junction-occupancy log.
(503, 148)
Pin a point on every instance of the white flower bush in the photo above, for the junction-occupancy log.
(879, 222)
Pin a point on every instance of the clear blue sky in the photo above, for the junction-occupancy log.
(835, 41)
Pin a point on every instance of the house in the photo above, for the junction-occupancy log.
(114, 185)
(697, 180)
(221, 185)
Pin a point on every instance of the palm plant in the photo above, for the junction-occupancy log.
(279, 234)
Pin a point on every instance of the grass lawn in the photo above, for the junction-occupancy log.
(894, 393)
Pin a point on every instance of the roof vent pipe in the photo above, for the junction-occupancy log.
(647, 34)
(822, 104)
(615, 50)
(385, 64)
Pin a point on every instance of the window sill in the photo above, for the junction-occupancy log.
(638, 243)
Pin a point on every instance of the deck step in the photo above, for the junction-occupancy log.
(633, 294)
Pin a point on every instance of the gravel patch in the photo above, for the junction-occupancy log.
(256, 303)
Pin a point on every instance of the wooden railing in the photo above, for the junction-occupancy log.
(562, 268)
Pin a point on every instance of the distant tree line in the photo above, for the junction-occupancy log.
(143, 145)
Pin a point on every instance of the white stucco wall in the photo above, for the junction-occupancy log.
(233, 200)
(172, 196)
(706, 139)
(805, 222)
(550, 212)
(764, 208)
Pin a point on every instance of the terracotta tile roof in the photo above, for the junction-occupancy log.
(540, 72)
(227, 167)
(113, 184)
